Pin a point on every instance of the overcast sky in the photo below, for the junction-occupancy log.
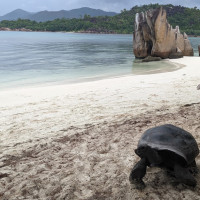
(107, 5)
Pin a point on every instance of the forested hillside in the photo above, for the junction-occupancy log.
(188, 20)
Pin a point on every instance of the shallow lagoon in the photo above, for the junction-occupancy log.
(35, 58)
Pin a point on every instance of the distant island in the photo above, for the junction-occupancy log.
(45, 15)
(104, 22)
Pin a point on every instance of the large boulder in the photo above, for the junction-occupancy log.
(154, 36)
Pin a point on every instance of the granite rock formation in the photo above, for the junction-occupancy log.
(154, 36)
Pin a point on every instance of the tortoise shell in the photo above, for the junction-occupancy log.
(171, 138)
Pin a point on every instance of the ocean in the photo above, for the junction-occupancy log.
(45, 58)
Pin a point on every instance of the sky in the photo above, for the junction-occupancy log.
(107, 5)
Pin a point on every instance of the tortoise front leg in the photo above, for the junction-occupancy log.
(138, 172)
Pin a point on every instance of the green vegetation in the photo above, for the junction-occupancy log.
(188, 20)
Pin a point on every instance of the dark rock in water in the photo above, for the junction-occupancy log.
(147, 59)
(177, 53)
(198, 87)
(155, 37)
(150, 58)
(199, 49)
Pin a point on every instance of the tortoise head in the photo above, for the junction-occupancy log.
(149, 153)
(141, 151)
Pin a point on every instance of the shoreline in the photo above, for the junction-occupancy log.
(81, 32)
(86, 32)
(77, 141)
(172, 66)
(54, 86)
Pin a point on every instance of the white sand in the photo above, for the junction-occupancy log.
(40, 121)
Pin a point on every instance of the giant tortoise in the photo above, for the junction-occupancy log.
(167, 147)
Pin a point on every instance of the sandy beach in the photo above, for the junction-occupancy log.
(77, 141)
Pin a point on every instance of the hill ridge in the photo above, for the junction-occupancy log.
(46, 15)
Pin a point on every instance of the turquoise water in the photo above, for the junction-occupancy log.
(32, 58)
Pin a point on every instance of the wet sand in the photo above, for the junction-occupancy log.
(77, 141)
